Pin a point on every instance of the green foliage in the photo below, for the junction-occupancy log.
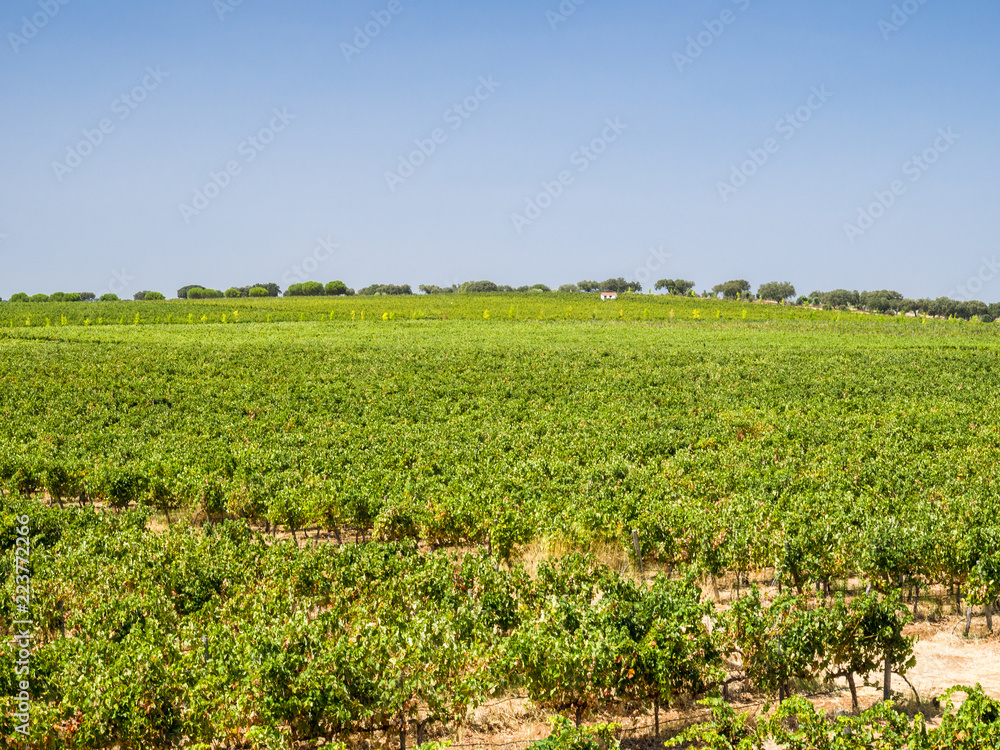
(477, 287)
(798, 724)
(306, 289)
(385, 289)
(109, 297)
(335, 289)
(785, 640)
(776, 291)
(678, 287)
(201, 293)
(20, 297)
(565, 736)
(232, 293)
(727, 730)
(738, 288)
(153, 296)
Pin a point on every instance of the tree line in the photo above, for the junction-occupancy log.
(882, 301)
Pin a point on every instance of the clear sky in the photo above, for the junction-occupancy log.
(148, 145)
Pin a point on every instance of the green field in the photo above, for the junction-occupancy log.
(454, 433)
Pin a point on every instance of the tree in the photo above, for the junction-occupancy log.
(153, 296)
(312, 289)
(232, 293)
(732, 289)
(336, 289)
(477, 287)
(273, 290)
(432, 289)
(87, 296)
(57, 297)
(182, 293)
(620, 286)
(678, 287)
(109, 297)
(776, 291)
(72, 297)
(840, 298)
(569, 288)
(140, 296)
(258, 291)
(589, 286)
(199, 293)
(40, 298)
(391, 289)
(20, 297)
(881, 301)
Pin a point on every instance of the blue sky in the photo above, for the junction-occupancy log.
(745, 137)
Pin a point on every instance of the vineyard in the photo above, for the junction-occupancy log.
(261, 522)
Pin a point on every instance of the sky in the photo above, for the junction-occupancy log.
(151, 145)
